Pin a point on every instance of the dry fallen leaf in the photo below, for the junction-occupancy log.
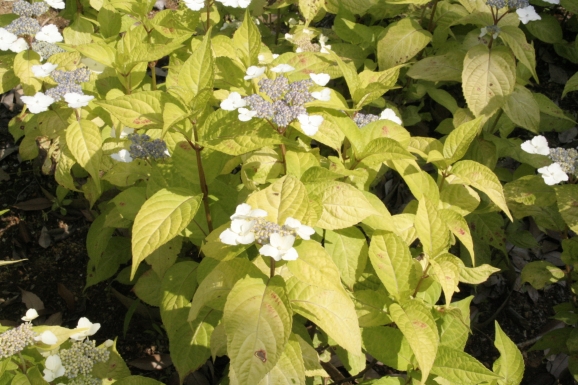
(54, 320)
(31, 300)
(67, 296)
(44, 240)
(34, 204)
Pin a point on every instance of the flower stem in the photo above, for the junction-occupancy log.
(433, 12)
(284, 154)
(23, 362)
(202, 178)
(272, 266)
(152, 66)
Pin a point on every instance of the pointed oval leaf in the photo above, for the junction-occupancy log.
(247, 41)
(84, 142)
(510, 365)
(460, 368)
(257, 319)
(459, 227)
(401, 42)
(137, 110)
(523, 109)
(161, 218)
(198, 71)
(459, 140)
(290, 369)
(431, 228)
(348, 248)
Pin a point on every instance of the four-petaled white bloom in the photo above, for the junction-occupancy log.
(527, 14)
(84, 323)
(240, 233)
(47, 338)
(288, 36)
(31, 314)
(280, 248)
(254, 72)
(57, 4)
(538, 145)
(49, 33)
(93, 65)
(41, 71)
(245, 211)
(19, 45)
(553, 174)
(53, 368)
(122, 156)
(282, 68)
(324, 95)
(310, 123)
(245, 115)
(233, 101)
(126, 131)
(75, 100)
(389, 114)
(320, 79)
(6, 39)
(195, 5)
(235, 3)
(303, 231)
(322, 42)
(37, 103)
(160, 4)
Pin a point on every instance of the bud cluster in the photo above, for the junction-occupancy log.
(81, 357)
(45, 49)
(15, 340)
(515, 4)
(68, 82)
(364, 119)
(85, 380)
(143, 147)
(287, 100)
(24, 25)
(566, 158)
(24, 8)
(263, 229)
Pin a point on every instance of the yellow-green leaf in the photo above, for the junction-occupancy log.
(567, 200)
(431, 228)
(84, 142)
(400, 42)
(510, 365)
(460, 368)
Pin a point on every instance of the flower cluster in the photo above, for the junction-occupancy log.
(387, 114)
(142, 146)
(249, 225)
(197, 5)
(68, 82)
(524, 10)
(304, 43)
(24, 8)
(81, 357)
(285, 101)
(15, 340)
(492, 30)
(564, 160)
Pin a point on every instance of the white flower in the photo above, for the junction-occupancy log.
(280, 248)
(108, 343)
(58, 4)
(244, 3)
(323, 39)
(275, 55)
(240, 233)
(75, 100)
(235, 3)
(552, 1)
(49, 33)
(288, 36)
(324, 95)
(233, 101)
(37, 103)
(245, 115)
(538, 145)
(298, 50)
(254, 72)
(527, 14)
(31, 314)
(160, 4)
(19, 45)
(292, 21)
(282, 68)
(122, 156)
(41, 71)
(93, 65)
(261, 58)
(325, 48)
(53, 368)
(195, 5)
(310, 123)
(126, 131)
(389, 114)
(46, 337)
(307, 31)
(303, 231)
(245, 211)
(553, 174)
(320, 79)
(6, 39)
(84, 323)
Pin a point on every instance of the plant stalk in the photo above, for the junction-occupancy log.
(433, 12)
(202, 178)
(152, 66)
(272, 268)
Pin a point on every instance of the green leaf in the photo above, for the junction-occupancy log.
(483, 179)
(571, 85)
(165, 256)
(510, 365)
(198, 72)
(547, 29)
(522, 109)
(459, 140)
(348, 248)
(453, 324)
(290, 369)
(388, 345)
(488, 77)
(431, 228)
(392, 261)
(316, 292)
(343, 205)
(371, 307)
(567, 200)
(381, 150)
(287, 197)
(400, 42)
(477, 275)
(110, 20)
(84, 142)
(162, 217)
(515, 39)
(247, 41)
(445, 269)
(540, 273)
(459, 227)
(79, 32)
(446, 67)
(141, 109)
(117, 252)
(416, 323)
(257, 319)
(349, 73)
(460, 368)
(309, 9)
(23, 63)
(100, 52)
(550, 108)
